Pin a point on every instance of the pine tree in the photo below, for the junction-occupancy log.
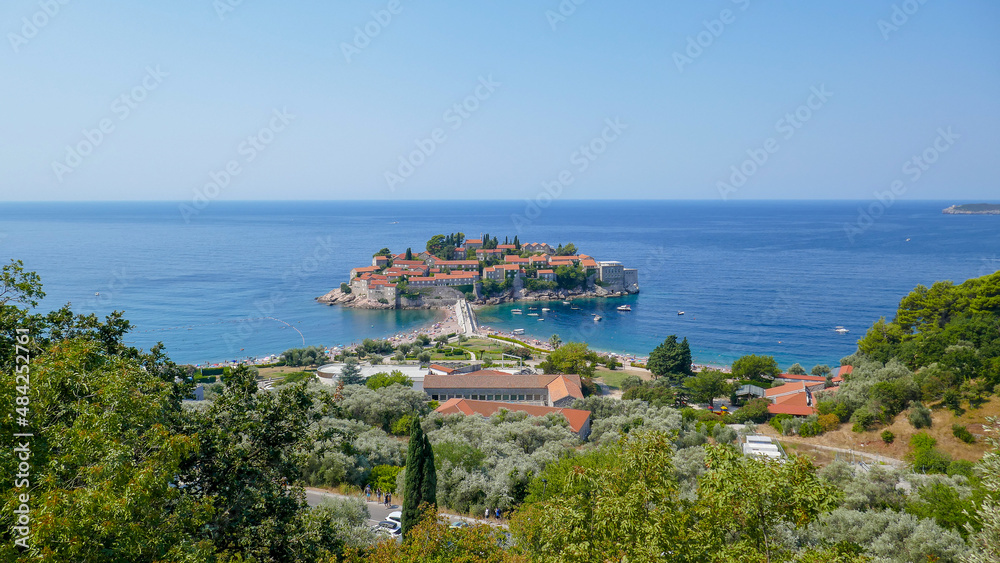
(517, 243)
(350, 374)
(420, 477)
(409, 254)
(686, 357)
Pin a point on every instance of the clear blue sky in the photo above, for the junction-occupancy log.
(892, 89)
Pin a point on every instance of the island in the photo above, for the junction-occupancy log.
(973, 209)
(482, 271)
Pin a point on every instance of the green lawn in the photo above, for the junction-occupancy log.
(612, 379)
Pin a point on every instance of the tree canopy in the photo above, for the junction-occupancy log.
(754, 367)
(671, 359)
(572, 357)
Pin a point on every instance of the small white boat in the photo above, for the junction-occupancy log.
(597, 318)
(841, 330)
(97, 293)
(545, 309)
(532, 314)
(516, 311)
(565, 302)
(679, 313)
(518, 331)
(575, 308)
(624, 307)
(540, 319)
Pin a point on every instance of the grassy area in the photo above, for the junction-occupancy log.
(940, 429)
(614, 378)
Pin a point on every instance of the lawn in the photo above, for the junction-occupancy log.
(613, 379)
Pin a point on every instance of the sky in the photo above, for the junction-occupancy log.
(734, 99)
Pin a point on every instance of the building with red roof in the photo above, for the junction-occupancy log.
(579, 420)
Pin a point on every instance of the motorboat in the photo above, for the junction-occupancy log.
(625, 308)
(565, 302)
(545, 309)
(532, 314)
(841, 330)
(575, 308)
(540, 319)
(679, 313)
(597, 318)
(518, 331)
(516, 311)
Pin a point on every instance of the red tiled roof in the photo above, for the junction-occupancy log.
(793, 410)
(786, 388)
(562, 387)
(489, 379)
(576, 418)
(474, 241)
(441, 368)
(546, 272)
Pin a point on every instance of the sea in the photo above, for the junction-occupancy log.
(236, 280)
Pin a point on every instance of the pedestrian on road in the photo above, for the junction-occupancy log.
(487, 516)
(498, 514)
(388, 500)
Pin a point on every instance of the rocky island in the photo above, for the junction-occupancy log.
(973, 209)
(481, 271)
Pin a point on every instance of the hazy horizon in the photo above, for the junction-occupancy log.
(386, 100)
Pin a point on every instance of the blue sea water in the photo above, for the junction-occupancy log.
(239, 278)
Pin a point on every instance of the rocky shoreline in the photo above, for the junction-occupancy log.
(972, 209)
(337, 297)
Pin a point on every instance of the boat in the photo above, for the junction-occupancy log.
(532, 314)
(516, 311)
(575, 308)
(841, 330)
(517, 331)
(540, 319)
(597, 318)
(545, 309)
(624, 307)
(679, 313)
(97, 293)
(565, 302)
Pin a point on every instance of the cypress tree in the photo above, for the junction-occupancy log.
(409, 254)
(420, 479)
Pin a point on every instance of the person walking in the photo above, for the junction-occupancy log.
(388, 500)
(498, 514)
(487, 516)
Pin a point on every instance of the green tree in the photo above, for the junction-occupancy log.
(420, 477)
(572, 357)
(755, 410)
(706, 385)
(350, 374)
(671, 359)
(409, 254)
(570, 277)
(821, 370)
(424, 357)
(986, 540)
(344, 288)
(555, 341)
(747, 498)
(568, 250)
(754, 367)
(384, 252)
(383, 379)
(797, 369)
(619, 503)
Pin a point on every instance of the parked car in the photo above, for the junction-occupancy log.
(459, 524)
(387, 527)
(396, 517)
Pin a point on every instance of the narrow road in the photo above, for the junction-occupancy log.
(857, 453)
(379, 512)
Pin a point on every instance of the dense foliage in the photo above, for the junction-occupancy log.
(671, 360)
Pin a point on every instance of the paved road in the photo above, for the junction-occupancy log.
(379, 512)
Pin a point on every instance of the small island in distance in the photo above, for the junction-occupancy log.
(973, 209)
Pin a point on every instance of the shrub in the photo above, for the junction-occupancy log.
(828, 422)
(402, 426)
(962, 433)
(383, 300)
(888, 437)
(961, 467)
(384, 477)
(810, 428)
(630, 382)
(778, 420)
(920, 416)
(926, 458)
(755, 410)
(344, 288)
(863, 419)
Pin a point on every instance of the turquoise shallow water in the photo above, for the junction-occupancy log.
(764, 277)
